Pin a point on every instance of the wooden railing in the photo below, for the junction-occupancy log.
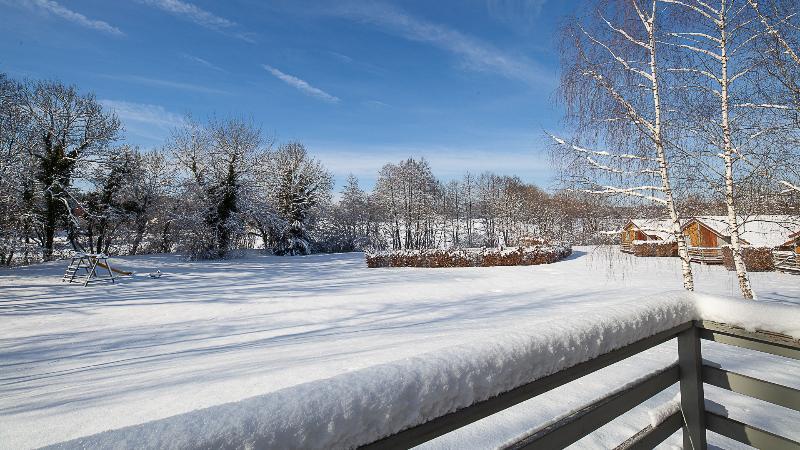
(786, 261)
(689, 371)
(626, 247)
(708, 255)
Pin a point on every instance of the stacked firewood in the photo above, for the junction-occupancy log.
(471, 257)
(756, 259)
(654, 248)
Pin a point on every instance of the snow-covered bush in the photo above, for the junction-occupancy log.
(474, 257)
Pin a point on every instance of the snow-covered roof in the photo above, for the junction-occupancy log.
(758, 231)
(654, 227)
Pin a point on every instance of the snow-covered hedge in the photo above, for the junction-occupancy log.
(361, 406)
(471, 257)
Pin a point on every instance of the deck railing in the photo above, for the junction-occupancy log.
(689, 371)
(708, 255)
(626, 247)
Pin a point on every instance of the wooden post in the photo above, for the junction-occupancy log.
(692, 397)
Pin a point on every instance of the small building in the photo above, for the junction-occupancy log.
(643, 230)
(787, 255)
(708, 234)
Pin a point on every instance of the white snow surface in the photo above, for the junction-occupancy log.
(664, 410)
(319, 351)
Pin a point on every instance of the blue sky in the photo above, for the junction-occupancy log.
(467, 84)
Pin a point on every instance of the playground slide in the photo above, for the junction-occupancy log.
(121, 272)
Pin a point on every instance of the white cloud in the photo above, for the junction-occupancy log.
(143, 113)
(150, 123)
(200, 17)
(301, 85)
(202, 62)
(165, 83)
(56, 9)
(475, 53)
(521, 15)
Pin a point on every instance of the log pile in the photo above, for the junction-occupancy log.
(654, 248)
(756, 259)
(471, 257)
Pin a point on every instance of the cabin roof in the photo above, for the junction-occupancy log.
(758, 231)
(653, 227)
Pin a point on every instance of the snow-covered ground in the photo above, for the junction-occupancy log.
(77, 361)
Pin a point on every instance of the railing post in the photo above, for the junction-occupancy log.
(690, 362)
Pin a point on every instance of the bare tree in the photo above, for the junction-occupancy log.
(65, 131)
(219, 160)
(612, 84)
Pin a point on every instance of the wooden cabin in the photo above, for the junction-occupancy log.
(786, 256)
(707, 235)
(705, 239)
(641, 230)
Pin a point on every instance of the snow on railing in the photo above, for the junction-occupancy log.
(413, 400)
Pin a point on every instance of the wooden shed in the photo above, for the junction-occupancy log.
(705, 239)
(641, 230)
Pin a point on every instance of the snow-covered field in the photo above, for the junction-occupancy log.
(77, 361)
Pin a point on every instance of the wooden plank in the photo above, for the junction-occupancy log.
(649, 437)
(578, 424)
(692, 397)
(763, 341)
(753, 387)
(434, 428)
(748, 434)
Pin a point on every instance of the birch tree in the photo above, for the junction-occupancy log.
(722, 69)
(612, 85)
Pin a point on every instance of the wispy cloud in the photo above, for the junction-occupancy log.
(474, 53)
(202, 62)
(165, 83)
(301, 85)
(145, 124)
(520, 15)
(54, 8)
(199, 16)
(144, 113)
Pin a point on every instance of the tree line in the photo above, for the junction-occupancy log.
(69, 182)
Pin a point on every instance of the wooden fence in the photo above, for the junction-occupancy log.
(786, 261)
(707, 255)
(689, 371)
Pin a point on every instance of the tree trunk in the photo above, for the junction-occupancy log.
(727, 156)
(663, 169)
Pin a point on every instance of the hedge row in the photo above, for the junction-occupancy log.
(471, 257)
